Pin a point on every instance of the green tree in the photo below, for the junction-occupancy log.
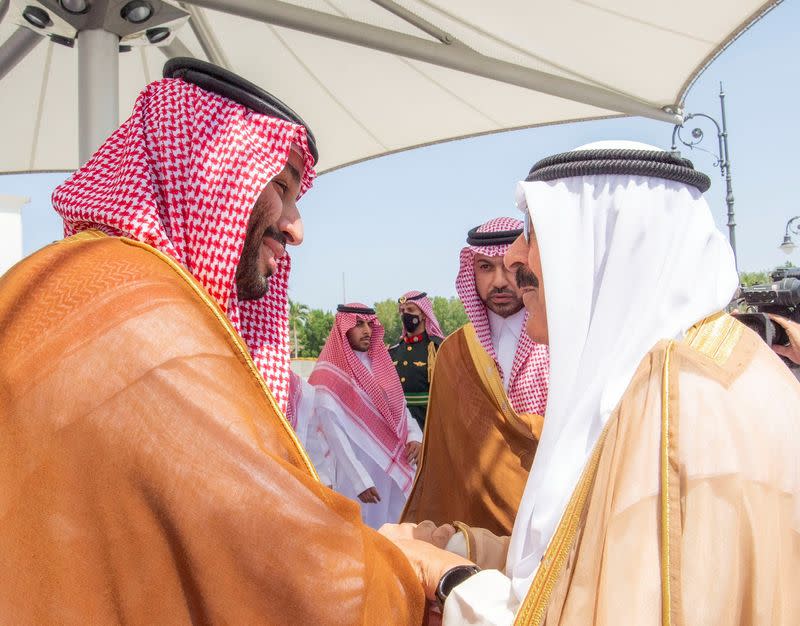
(450, 313)
(748, 279)
(315, 332)
(298, 315)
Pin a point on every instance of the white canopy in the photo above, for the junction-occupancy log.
(369, 76)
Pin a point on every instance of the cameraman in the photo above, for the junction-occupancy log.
(792, 351)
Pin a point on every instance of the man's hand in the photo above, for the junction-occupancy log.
(424, 531)
(412, 451)
(792, 351)
(429, 562)
(370, 496)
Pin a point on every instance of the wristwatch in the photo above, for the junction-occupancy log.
(453, 577)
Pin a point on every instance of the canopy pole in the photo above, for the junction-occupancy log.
(176, 48)
(456, 57)
(98, 89)
(16, 48)
(205, 36)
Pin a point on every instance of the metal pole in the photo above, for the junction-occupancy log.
(16, 48)
(726, 159)
(98, 89)
(176, 48)
(205, 36)
(456, 57)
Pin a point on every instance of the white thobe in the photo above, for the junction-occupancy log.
(354, 453)
(505, 337)
(485, 599)
(310, 434)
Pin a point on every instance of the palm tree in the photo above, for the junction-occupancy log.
(298, 314)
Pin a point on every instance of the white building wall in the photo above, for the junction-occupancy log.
(10, 230)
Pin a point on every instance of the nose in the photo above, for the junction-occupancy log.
(290, 224)
(499, 277)
(516, 254)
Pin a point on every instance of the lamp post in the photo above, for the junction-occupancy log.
(792, 226)
(722, 158)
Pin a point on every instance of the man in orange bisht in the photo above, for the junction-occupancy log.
(487, 399)
(148, 474)
(666, 484)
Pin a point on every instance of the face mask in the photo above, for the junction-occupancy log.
(410, 322)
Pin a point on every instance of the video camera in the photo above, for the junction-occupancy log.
(781, 297)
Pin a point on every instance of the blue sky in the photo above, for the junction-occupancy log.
(398, 222)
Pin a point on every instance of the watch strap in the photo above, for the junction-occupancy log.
(452, 578)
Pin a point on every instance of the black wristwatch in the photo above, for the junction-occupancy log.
(452, 578)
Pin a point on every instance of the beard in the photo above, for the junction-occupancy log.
(251, 283)
(504, 309)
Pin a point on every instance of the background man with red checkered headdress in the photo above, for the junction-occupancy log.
(415, 354)
(487, 399)
(148, 474)
(362, 411)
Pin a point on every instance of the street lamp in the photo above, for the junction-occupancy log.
(792, 226)
(722, 158)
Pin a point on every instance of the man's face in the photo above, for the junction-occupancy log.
(524, 261)
(408, 308)
(412, 309)
(496, 285)
(360, 336)
(274, 222)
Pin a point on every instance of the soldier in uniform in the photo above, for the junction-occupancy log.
(415, 354)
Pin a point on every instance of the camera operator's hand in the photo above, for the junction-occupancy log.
(792, 351)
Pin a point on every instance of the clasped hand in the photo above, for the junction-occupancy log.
(423, 544)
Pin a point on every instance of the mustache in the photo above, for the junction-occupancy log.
(275, 234)
(501, 291)
(526, 278)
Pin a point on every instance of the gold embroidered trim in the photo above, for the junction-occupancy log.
(715, 337)
(490, 377)
(666, 592)
(464, 530)
(234, 336)
(431, 360)
(84, 235)
(533, 608)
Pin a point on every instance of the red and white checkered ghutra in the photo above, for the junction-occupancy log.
(373, 400)
(182, 174)
(530, 372)
(426, 306)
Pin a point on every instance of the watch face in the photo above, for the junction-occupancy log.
(452, 578)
